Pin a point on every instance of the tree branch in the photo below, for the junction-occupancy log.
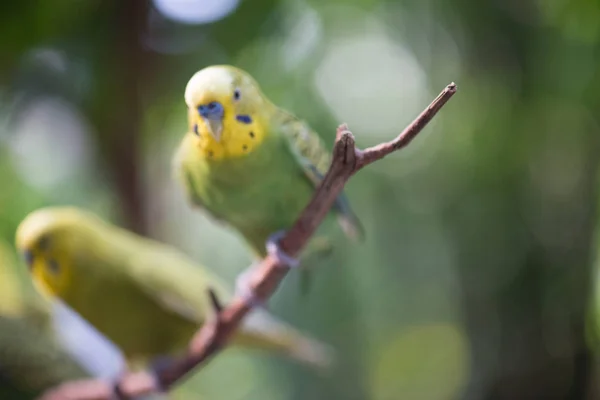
(266, 278)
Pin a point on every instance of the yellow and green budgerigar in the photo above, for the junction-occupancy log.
(32, 360)
(145, 296)
(248, 162)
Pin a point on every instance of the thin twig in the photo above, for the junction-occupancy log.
(267, 277)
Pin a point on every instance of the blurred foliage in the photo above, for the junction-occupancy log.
(474, 278)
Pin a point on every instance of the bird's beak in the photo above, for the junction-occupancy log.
(37, 277)
(40, 284)
(215, 127)
(212, 113)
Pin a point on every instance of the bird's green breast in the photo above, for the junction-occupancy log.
(257, 194)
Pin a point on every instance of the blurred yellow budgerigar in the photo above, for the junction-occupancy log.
(31, 359)
(146, 296)
(248, 162)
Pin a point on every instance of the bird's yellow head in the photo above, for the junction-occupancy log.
(227, 112)
(46, 240)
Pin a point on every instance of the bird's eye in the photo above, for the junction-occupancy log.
(43, 243)
(53, 266)
(237, 94)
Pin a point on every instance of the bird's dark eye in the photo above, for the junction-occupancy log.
(43, 243)
(53, 266)
(237, 94)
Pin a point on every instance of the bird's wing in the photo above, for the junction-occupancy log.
(176, 284)
(314, 158)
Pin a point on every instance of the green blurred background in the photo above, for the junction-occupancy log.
(475, 275)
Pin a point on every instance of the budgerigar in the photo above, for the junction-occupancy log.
(248, 162)
(144, 295)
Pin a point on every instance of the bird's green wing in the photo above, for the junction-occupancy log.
(314, 158)
(171, 280)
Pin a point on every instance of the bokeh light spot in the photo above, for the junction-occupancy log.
(424, 362)
(372, 83)
(50, 142)
(195, 11)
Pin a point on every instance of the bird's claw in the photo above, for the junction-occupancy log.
(156, 368)
(117, 392)
(275, 251)
(244, 289)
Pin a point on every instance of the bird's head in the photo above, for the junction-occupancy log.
(46, 239)
(226, 110)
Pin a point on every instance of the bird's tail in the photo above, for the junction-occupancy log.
(352, 227)
(261, 330)
(348, 220)
(312, 352)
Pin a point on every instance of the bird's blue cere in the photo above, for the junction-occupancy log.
(212, 111)
(244, 119)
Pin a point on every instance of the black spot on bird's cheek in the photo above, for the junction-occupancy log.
(196, 130)
(53, 266)
(252, 134)
(245, 147)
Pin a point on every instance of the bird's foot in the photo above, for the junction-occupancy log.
(117, 392)
(275, 251)
(155, 369)
(243, 284)
(157, 366)
(244, 289)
